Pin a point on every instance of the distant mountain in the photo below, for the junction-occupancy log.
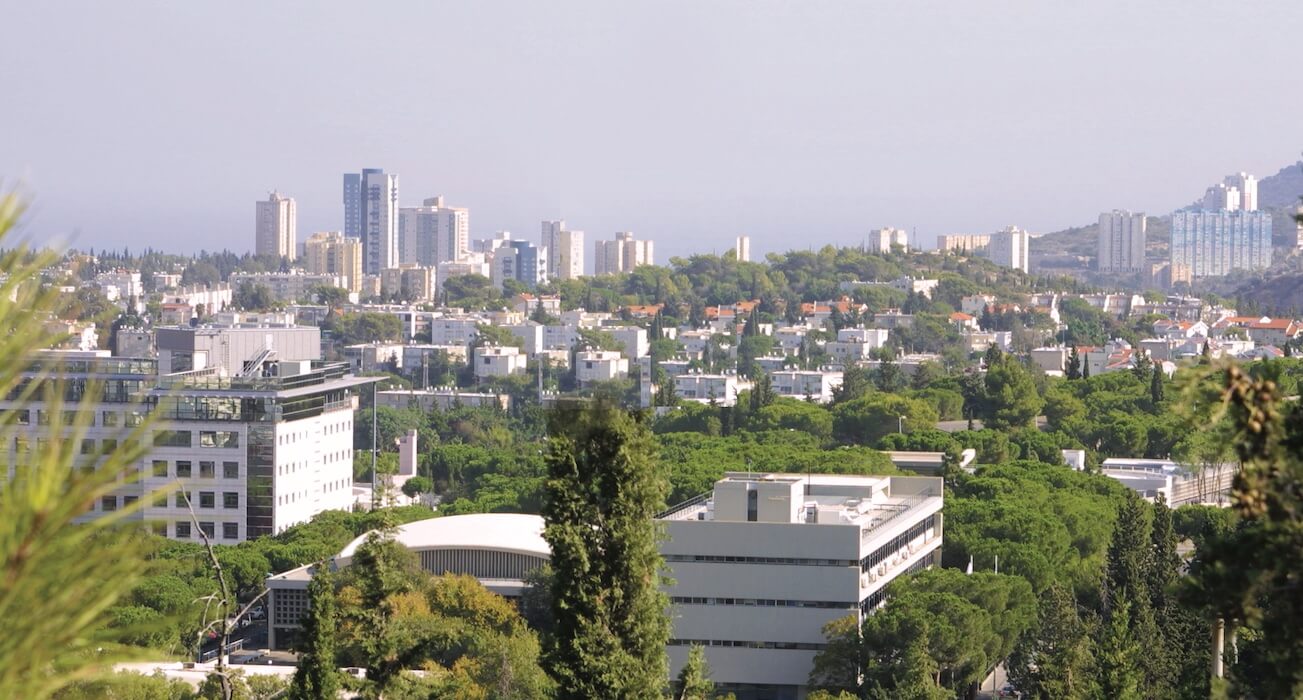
(1282, 189)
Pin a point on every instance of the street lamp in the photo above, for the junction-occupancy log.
(900, 424)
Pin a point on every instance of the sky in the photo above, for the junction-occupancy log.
(798, 123)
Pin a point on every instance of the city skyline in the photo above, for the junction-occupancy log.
(691, 151)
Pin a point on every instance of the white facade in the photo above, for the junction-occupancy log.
(722, 389)
(1238, 192)
(854, 344)
(1121, 241)
(600, 366)
(801, 384)
(379, 212)
(762, 563)
(1009, 248)
(277, 222)
(634, 339)
(494, 361)
(565, 250)
(881, 240)
(623, 254)
(291, 286)
(742, 248)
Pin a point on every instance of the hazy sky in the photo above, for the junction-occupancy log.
(799, 123)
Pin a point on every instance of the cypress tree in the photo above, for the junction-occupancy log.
(602, 491)
(694, 679)
(317, 675)
(1073, 370)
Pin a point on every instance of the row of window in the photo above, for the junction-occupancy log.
(207, 438)
(109, 504)
(899, 542)
(748, 644)
(184, 469)
(764, 602)
(107, 419)
(208, 499)
(794, 561)
(230, 531)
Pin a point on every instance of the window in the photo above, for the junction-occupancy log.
(158, 528)
(160, 501)
(172, 438)
(135, 418)
(109, 503)
(24, 417)
(109, 445)
(753, 505)
(42, 417)
(230, 499)
(183, 469)
(207, 528)
(231, 470)
(127, 501)
(160, 467)
(109, 419)
(180, 499)
(183, 530)
(88, 447)
(207, 499)
(230, 531)
(219, 438)
(207, 470)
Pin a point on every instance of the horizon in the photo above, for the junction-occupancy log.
(687, 125)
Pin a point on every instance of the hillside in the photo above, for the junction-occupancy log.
(1082, 240)
(1282, 189)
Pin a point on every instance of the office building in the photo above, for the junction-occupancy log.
(622, 254)
(276, 227)
(881, 240)
(521, 261)
(1213, 243)
(231, 346)
(255, 451)
(1009, 248)
(1121, 241)
(371, 215)
(742, 249)
(565, 250)
(332, 253)
(764, 561)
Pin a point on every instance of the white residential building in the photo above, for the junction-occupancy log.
(1238, 192)
(289, 287)
(333, 253)
(565, 250)
(634, 339)
(1009, 248)
(277, 223)
(722, 389)
(1121, 241)
(764, 561)
(434, 233)
(600, 366)
(881, 240)
(742, 249)
(817, 385)
(855, 344)
(497, 361)
(440, 399)
(623, 254)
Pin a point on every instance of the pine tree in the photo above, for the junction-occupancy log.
(694, 679)
(1118, 656)
(1156, 385)
(1073, 370)
(602, 491)
(1127, 578)
(317, 675)
(1054, 659)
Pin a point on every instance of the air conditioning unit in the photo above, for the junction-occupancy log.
(882, 570)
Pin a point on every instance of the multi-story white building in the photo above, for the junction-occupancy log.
(471, 264)
(440, 399)
(742, 249)
(333, 253)
(816, 385)
(254, 454)
(371, 215)
(855, 344)
(633, 338)
(409, 282)
(1121, 241)
(881, 240)
(434, 233)
(277, 222)
(497, 361)
(521, 261)
(120, 284)
(565, 250)
(623, 254)
(764, 561)
(1213, 243)
(291, 286)
(721, 389)
(600, 366)
(1238, 192)
(232, 346)
(1009, 248)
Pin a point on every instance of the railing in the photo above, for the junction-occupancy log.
(678, 512)
(905, 505)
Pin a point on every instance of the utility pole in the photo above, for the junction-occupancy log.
(374, 421)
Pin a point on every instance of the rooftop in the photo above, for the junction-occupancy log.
(512, 532)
